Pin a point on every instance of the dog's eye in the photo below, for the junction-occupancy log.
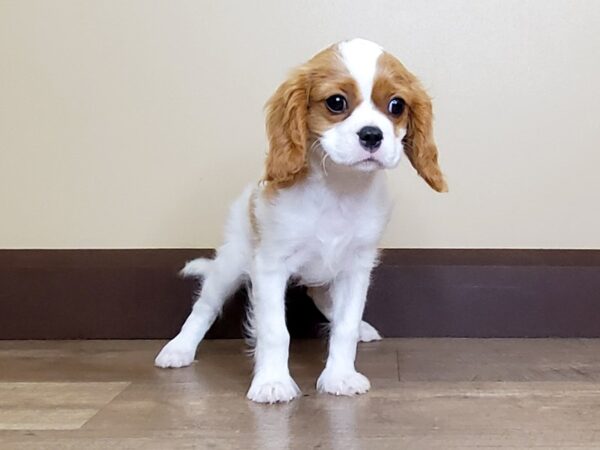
(337, 104)
(396, 106)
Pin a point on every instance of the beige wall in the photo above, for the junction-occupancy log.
(135, 123)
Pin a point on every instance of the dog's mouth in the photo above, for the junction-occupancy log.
(369, 163)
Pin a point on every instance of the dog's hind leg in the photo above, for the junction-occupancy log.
(322, 300)
(222, 277)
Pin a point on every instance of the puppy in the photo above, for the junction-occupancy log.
(317, 216)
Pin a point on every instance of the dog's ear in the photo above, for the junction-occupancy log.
(419, 145)
(287, 132)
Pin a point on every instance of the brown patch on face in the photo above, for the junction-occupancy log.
(392, 79)
(329, 76)
(297, 115)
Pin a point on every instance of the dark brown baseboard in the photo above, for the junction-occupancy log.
(136, 294)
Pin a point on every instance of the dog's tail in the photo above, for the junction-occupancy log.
(196, 268)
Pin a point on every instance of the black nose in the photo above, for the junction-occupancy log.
(370, 138)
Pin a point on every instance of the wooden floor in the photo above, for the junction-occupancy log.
(426, 394)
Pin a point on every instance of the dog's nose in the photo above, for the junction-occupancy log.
(370, 138)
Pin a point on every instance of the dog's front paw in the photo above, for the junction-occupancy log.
(342, 382)
(273, 390)
(174, 355)
(368, 333)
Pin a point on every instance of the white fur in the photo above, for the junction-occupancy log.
(323, 232)
(360, 58)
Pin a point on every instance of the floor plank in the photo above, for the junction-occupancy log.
(52, 405)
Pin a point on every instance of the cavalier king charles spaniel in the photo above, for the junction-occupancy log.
(317, 216)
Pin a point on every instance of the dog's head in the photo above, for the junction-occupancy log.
(358, 105)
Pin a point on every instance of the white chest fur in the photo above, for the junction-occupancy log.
(319, 229)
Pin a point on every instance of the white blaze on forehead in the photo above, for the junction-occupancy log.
(360, 57)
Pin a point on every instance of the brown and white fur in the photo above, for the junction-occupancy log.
(317, 217)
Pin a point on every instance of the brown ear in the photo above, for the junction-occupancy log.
(419, 145)
(287, 132)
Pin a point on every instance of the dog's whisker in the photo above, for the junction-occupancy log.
(323, 162)
(316, 144)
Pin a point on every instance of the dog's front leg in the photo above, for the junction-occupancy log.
(348, 292)
(272, 382)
